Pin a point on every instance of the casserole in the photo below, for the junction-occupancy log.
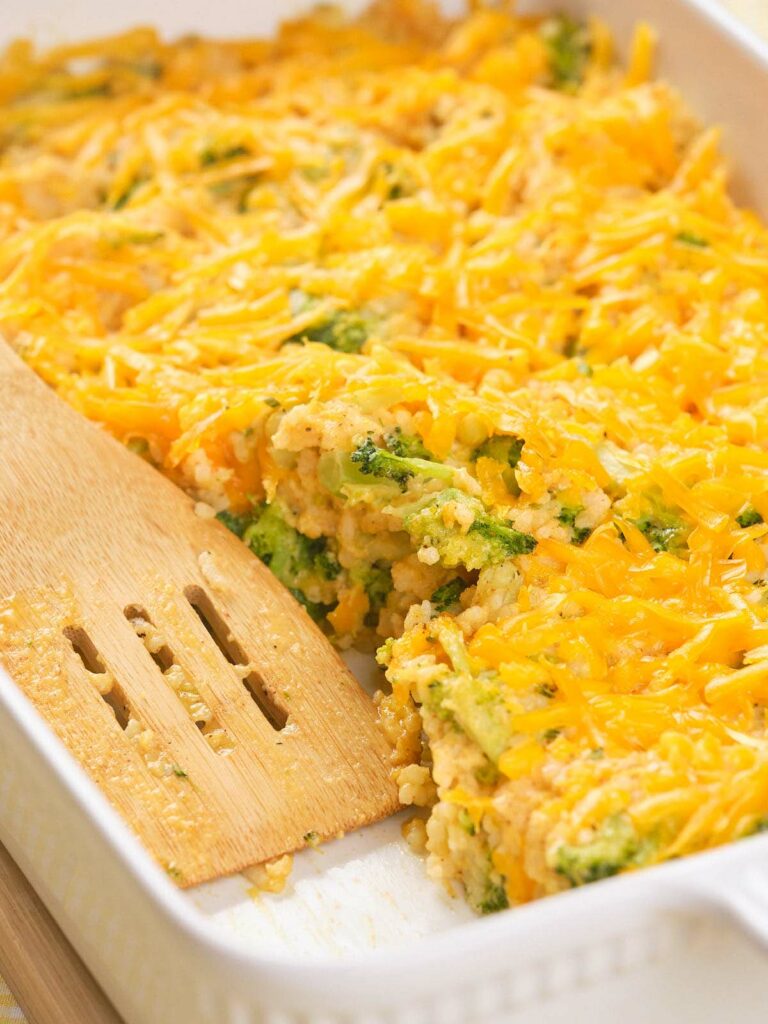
(419, 970)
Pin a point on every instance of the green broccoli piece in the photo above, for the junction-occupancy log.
(568, 49)
(378, 462)
(397, 181)
(434, 700)
(483, 884)
(407, 446)
(376, 580)
(488, 540)
(495, 899)
(567, 516)
(343, 478)
(147, 67)
(503, 449)
(129, 191)
(315, 609)
(235, 191)
(664, 529)
(214, 155)
(447, 596)
(477, 706)
(571, 346)
(299, 562)
(139, 446)
(466, 823)
(87, 92)
(615, 847)
(237, 524)
(508, 451)
(343, 330)
(378, 584)
(689, 238)
(749, 517)
(487, 774)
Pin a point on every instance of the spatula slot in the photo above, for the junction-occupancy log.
(160, 653)
(179, 681)
(115, 698)
(85, 649)
(222, 636)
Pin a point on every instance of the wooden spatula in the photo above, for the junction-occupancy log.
(192, 687)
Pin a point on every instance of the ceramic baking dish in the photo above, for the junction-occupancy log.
(362, 937)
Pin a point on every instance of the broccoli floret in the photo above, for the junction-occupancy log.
(376, 580)
(235, 191)
(407, 446)
(616, 846)
(495, 899)
(434, 700)
(487, 774)
(237, 524)
(571, 346)
(689, 238)
(568, 49)
(487, 541)
(567, 516)
(378, 584)
(214, 155)
(343, 330)
(749, 517)
(315, 609)
(378, 462)
(483, 884)
(139, 446)
(128, 192)
(477, 706)
(338, 473)
(86, 92)
(397, 181)
(664, 529)
(299, 562)
(465, 822)
(506, 450)
(447, 596)
(503, 449)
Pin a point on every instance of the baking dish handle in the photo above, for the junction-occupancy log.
(745, 900)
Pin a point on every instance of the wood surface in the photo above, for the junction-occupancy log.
(45, 974)
(218, 754)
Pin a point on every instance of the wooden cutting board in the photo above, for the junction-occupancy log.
(48, 979)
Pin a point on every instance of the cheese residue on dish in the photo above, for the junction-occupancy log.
(455, 323)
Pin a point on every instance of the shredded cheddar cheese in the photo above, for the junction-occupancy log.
(456, 324)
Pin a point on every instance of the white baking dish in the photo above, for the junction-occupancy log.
(362, 937)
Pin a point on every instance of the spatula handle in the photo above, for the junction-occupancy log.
(45, 974)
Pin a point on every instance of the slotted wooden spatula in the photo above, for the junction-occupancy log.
(188, 682)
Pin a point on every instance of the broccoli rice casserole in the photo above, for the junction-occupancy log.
(454, 323)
